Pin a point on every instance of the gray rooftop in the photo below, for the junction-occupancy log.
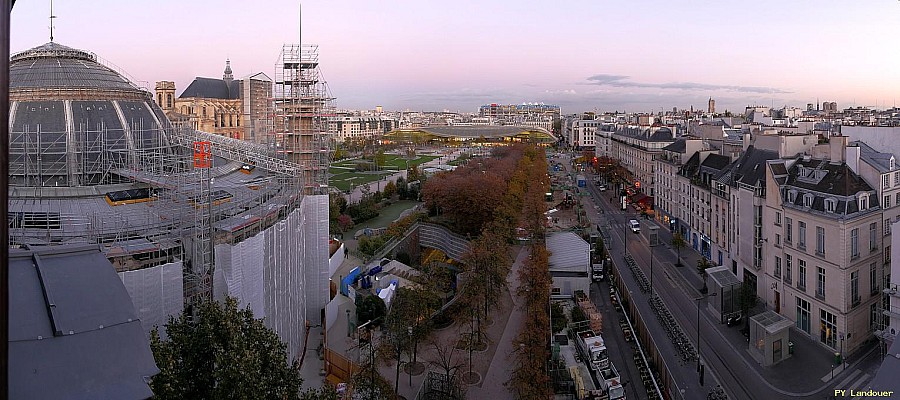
(73, 330)
(772, 322)
(878, 160)
(487, 131)
(53, 65)
(568, 252)
(722, 276)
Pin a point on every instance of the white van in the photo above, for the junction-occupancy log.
(635, 226)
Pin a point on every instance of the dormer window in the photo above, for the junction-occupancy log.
(863, 202)
(807, 200)
(892, 163)
(791, 196)
(830, 205)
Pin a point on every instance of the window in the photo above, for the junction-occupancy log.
(807, 200)
(887, 254)
(777, 267)
(801, 234)
(820, 240)
(863, 202)
(830, 204)
(887, 201)
(801, 275)
(788, 275)
(820, 282)
(854, 288)
(792, 196)
(828, 331)
(854, 243)
(802, 315)
(168, 100)
(873, 279)
(885, 181)
(896, 174)
(887, 227)
(873, 232)
(788, 230)
(778, 213)
(778, 239)
(897, 196)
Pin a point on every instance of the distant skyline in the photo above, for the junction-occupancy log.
(584, 55)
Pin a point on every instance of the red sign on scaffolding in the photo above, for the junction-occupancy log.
(202, 155)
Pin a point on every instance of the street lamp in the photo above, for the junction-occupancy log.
(698, 326)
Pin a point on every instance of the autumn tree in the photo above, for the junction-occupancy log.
(390, 189)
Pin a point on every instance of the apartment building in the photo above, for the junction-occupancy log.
(703, 214)
(667, 179)
(637, 149)
(347, 127)
(603, 140)
(826, 249)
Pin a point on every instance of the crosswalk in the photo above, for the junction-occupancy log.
(854, 383)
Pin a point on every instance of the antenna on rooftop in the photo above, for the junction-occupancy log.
(52, 17)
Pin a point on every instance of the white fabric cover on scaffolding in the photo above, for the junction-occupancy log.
(156, 293)
(282, 272)
(239, 273)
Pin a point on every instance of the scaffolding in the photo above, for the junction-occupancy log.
(301, 105)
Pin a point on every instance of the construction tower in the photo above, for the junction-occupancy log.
(301, 105)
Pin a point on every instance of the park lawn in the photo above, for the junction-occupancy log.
(343, 173)
(387, 215)
(343, 180)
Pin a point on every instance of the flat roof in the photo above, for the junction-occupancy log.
(73, 330)
(772, 322)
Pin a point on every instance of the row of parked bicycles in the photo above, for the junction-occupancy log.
(637, 273)
(717, 394)
(683, 346)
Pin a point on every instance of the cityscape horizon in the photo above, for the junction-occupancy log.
(428, 58)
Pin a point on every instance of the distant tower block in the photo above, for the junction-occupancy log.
(379, 109)
(712, 106)
(165, 95)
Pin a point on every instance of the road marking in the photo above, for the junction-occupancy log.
(860, 384)
(846, 380)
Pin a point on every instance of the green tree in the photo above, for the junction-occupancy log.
(678, 243)
(578, 315)
(370, 308)
(559, 319)
(702, 265)
(222, 353)
(379, 159)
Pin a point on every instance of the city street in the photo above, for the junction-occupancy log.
(723, 349)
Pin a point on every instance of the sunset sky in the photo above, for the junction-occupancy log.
(583, 55)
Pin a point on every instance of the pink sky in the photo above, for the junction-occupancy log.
(584, 55)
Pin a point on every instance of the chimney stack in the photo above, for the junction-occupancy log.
(838, 147)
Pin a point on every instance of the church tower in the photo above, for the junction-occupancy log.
(165, 95)
(712, 106)
(228, 77)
